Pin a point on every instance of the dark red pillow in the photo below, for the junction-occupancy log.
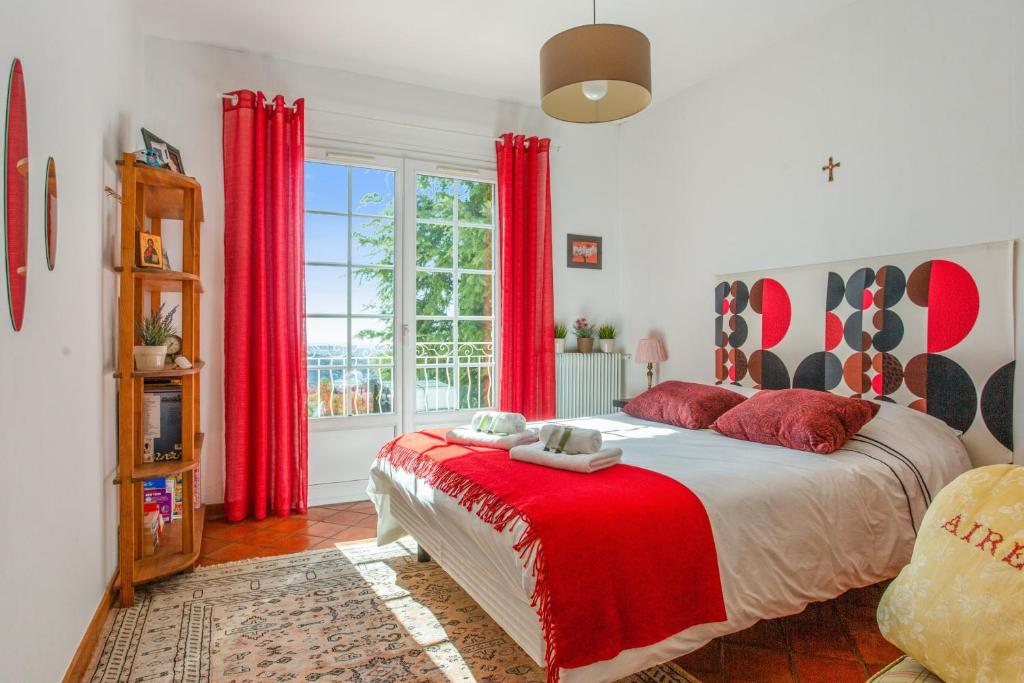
(684, 404)
(803, 419)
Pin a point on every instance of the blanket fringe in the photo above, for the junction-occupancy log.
(499, 514)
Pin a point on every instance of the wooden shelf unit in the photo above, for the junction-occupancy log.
(162, 280)
(151, 196)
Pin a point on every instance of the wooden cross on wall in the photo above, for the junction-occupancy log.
(830, 166)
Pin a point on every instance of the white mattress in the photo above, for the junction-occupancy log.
(790, 527)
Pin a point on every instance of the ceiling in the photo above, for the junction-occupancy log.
(480, 47)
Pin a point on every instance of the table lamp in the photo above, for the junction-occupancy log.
(650, 351)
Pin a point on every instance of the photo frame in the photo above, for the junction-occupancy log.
(150, 251)
(167, 154)
(584, 251)
(174, 158)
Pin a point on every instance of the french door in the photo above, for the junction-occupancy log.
(401, 303)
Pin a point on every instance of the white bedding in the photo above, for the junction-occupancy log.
(790, 527)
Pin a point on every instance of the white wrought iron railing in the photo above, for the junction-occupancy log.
(449, 376)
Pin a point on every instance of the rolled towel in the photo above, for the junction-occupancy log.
(570, 440)
(496, 422)
(584, 463)
(467, 436)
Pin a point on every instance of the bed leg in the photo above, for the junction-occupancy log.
(421, 554)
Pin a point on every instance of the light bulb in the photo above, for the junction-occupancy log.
(595, 90)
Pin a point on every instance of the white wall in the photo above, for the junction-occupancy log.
(181, 105)
(921, 101)
(58, 511)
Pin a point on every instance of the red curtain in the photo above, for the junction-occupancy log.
(265, 430)
(527, 306)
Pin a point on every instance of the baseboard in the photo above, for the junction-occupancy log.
(214, 511)
(337, 492)
(78, 668)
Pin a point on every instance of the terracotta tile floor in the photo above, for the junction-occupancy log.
(829, 642)
(321, 527)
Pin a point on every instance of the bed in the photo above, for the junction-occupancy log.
(790, 527)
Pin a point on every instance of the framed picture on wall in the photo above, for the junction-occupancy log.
(583, 251)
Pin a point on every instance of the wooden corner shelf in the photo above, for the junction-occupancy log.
(165, 190)
(167, 372)
(149, 196)
(167, 468)
(159, 470)
(170, 558)
(154, 280)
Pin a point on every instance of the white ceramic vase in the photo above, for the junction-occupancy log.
(606, 345)
(150, 358)
(559, 345)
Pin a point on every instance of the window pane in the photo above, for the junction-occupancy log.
(475, 295)
(433, 245)
(326, 289)
(372, 341)
(435, 389)
(373, 241)
(326, 341)
(435, 344)
(373, 291)
(434, 294)
(474, 388)
(326, 187)
(326, 238)
(435, 197)
(475, 203)
(475, 248)
(325, 392)
(476, 344)
(370, 390)
(373, 191)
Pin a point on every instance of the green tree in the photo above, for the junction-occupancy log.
(438, 199)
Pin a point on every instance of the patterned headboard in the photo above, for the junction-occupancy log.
(933, 330)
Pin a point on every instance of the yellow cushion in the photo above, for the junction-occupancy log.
(904, 670)
(958, 607)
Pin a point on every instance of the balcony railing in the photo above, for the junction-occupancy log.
(449, 376)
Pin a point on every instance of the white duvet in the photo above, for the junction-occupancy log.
(790, 527)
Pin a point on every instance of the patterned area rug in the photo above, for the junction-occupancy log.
(355, 613)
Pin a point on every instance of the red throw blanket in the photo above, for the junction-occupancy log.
(622, 558)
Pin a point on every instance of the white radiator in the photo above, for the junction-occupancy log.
(587, 383)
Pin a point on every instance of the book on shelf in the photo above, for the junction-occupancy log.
(152, 530)
(161, 422)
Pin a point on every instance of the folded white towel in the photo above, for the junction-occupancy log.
(496, 422)
(571, 440)
(467, 436)
(584, 463)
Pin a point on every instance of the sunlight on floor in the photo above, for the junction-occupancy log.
(417, 619)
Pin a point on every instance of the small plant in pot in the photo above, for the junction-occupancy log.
(560, 333)
(606, 335)
(154, 332)
(584, 332)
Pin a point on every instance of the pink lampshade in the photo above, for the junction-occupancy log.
(650, 351)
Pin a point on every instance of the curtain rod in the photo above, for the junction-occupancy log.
(433, 129)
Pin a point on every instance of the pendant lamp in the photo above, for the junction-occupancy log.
(595, 73)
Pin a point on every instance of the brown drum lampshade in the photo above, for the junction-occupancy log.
(595, 73)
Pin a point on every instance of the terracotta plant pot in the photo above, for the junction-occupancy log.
(559, 344)
(585, 344)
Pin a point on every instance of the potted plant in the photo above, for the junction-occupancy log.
(560, 332)
(154, 332)
(606, 335)
(584, 332)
